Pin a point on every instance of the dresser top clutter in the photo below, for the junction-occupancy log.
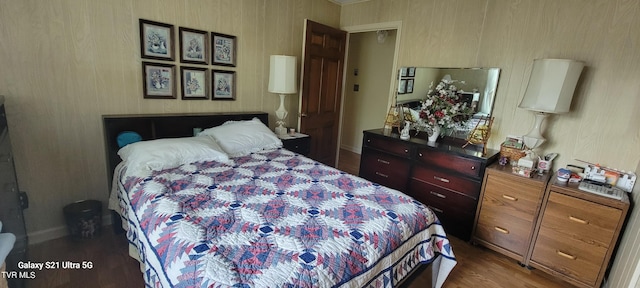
(450, 145)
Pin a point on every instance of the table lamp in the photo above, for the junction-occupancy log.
(282, 81)
(549, 91)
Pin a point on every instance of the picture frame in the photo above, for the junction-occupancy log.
(158, 80)
(403, 71)
(223, 85)
(194, 46)
(402, 86)
(156, 40)
(411, 72)
(223, 49)
(409, 86)
(195, 83)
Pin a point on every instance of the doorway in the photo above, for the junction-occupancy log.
(369, 83)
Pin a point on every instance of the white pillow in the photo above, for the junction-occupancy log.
(167, 153)
(239, 138)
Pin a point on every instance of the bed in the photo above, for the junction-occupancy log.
(260, 215)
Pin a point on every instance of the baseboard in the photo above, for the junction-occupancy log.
(58, 232)
(350, 148)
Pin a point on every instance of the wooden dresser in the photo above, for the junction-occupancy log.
(577, 233)
(508, 210)
(548, 225)
(444, 176)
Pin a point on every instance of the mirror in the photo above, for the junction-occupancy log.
(476, 85)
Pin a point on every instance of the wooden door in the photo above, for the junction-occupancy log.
(320, 99)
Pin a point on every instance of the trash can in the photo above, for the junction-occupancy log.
(84, 219)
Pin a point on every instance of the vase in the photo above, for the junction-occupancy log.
(435, 133)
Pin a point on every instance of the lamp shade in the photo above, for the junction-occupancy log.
(282, 74)
(551, 85)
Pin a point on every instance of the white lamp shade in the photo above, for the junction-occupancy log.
(551, 85)
(282, 74)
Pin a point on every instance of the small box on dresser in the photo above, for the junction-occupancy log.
(508, 209)
(577, 233)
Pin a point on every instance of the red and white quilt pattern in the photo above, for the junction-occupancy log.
(276, 219)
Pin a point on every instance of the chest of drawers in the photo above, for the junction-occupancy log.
(443, 176)
(509, 207)
(551, 226)
(577, 233)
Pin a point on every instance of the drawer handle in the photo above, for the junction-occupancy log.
(509, 197)
(383, 161)
(383, 175)
(438, 194)
(566, 255)
(473, 167)
(435, 209)
(445, 180)
(368, 140)
(406, 150)
(501, 230)
(420, 154)
(576, 219)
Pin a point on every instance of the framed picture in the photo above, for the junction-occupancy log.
(159, 80)
(156, 40)
(403, 71)
(411, 72)
(402, 86)
(224, 49)
(409, 85)
(194, 46)
(195, 83)
(224, 85)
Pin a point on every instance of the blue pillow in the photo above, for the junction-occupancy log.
(128, 137)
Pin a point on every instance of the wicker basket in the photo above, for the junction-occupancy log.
(512, 153)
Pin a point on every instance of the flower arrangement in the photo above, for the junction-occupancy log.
(443, 108)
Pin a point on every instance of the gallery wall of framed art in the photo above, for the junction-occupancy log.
(199, 52)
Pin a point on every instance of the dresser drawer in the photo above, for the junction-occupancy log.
(454, 223)
(446, 180)
(384, 169)
(453, 162)
(504, 230)
(574, 236)
(581, 219)
(513, 196)
(301, 145)
(440, 197)
(570, 257)
(399, 148)
(456, 211)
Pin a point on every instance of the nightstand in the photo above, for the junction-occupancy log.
(297, 142)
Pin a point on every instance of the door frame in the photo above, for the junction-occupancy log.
(394, 25)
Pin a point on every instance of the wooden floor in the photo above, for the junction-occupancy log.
(112, 267)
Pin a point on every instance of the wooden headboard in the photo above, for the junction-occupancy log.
(156, 126)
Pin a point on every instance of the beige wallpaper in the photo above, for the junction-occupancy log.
(509, 35)
(603, 125)
(66, 63)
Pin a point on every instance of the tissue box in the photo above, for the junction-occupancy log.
(522, 171)
(526, 162)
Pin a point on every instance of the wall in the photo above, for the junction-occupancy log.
(509, 35)
(603, 125)
(366, 109)
(66, 63)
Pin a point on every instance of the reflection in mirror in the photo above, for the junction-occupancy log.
(477, 86)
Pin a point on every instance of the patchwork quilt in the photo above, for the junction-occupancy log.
(276, 219)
